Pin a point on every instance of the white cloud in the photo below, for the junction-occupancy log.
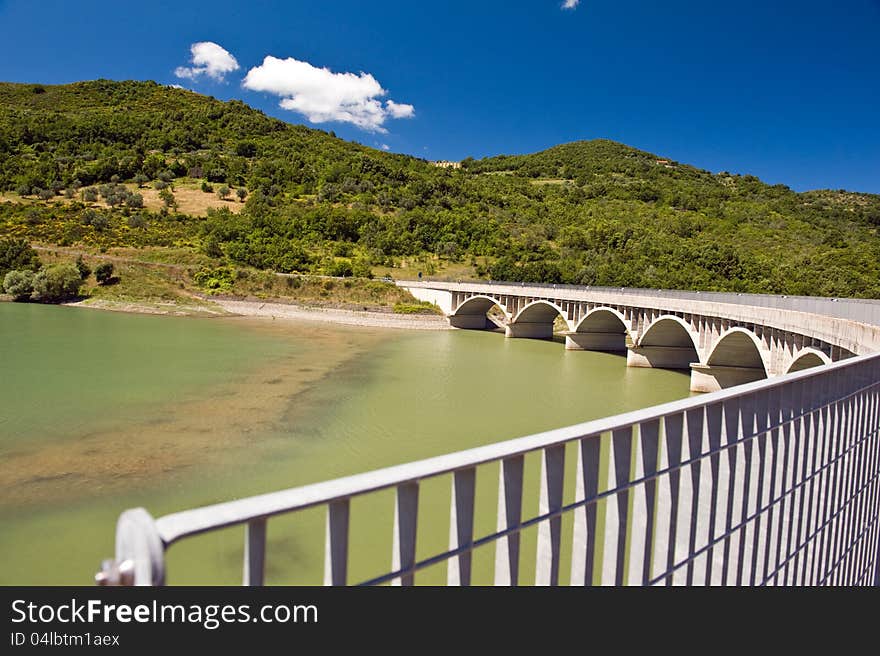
(209, 59)
(386, 147)
(175, 86)
(399, 110)
(322, 95)
(570, 4)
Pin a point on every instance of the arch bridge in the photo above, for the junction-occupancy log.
(722, 339)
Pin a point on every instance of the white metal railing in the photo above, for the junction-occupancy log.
(775, 482)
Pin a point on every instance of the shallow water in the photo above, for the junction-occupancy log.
(103, 411)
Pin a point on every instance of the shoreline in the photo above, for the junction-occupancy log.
(334, 315)
(272, 310)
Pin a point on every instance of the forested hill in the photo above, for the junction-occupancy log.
(77, 162)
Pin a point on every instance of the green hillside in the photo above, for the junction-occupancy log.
(87, 163)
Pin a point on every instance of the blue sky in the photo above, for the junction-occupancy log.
(788, 91)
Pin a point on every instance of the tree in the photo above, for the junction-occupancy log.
(104, 272)
(135, 201)
(241, 192)
(57, 283)
(168, 198)
(90, 195)
(140, 180)
(17, 254)
(207, 187)
(84, 269)
(223, 192)
(19, 284)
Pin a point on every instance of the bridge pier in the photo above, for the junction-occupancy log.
(661, 357)
(592, 341)
(712, 378)
(529, 330)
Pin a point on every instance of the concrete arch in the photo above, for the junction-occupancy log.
(806, 358)
(471, 313)
(535, 320)
(601, 329)
(603, 319)
(668, 342)
(737, 357)
(741, 348)
(669, 330)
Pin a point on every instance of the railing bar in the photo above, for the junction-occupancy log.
(785, 439)
(761, 417)
(622, 447)
(336, 545)
(649, 438)
(403, 555)
(255, 552)
(812, 496)
(871, 555)
(798, 462)
(747, 415)
(837, 426)
(461, 526)
(855, 513)
(712, 431)
(830, 449)
(510, 484)
(774, 437)
(550, 532)
(584, 537)
(673, 438)
(840, 524)
(867, 502)
(731, 429)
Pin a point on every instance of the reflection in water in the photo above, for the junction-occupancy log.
(104, 411)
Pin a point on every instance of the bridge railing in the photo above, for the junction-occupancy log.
(775, 482)
(853, 309)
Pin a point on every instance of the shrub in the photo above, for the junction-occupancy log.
(84, 270)
(241, 192)
(137, 221)
(104, 272)
(20, 284)
(207, 187)
(340, 269)
(57, 283)
(223, 192)
(217, 280)
(17, 254)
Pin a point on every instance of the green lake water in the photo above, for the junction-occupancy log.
(104, 411)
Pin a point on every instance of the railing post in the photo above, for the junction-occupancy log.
(510, 482)
(583, 550)
(255, 552)
(552, 469)
(336, 546)
(406, 510)
(461, 526)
